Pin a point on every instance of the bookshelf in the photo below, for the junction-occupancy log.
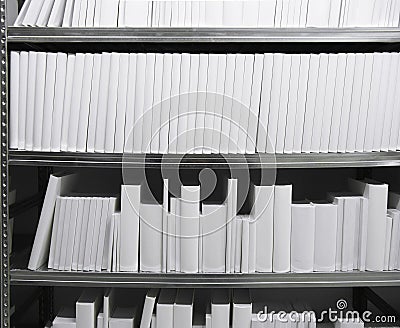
(16, 37)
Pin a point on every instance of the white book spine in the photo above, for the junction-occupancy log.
(67, 102)
(30, 103)
(130, 103)
(22, 96)
(14, 98)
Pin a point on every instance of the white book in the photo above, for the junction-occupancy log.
(89, 235)
(112, 103)
(99, 236)
(183, 107)
(390, 102)
(57, 13)
(273, 119)
(389, 226)
(181, 14)
(109, 13)
(22, 97)
(394, 131)
(171, 242)
(228, 102)
(236, 104)
(72, 233)
(383, 88)
(190, 228)
(195, 13)
(32, 14)
(183, 308)
(65, 232)
(85, 103)
(90, 13)
(355, 102)
(147, 118)
(282, 228)
(219, 103)
(285, 13)
(87, 308)
(220, 308)
(373, 108)
(59, 237)
(283, 104)
(130, 222)
(130, 105)
(244, 265)
(252, 244)
(292, 104)
(94, 101)
(328, 102)
(100, 202)
(174, 109)
(30, 102)
(83, 13)
(123, 317)
(337, 103)
(157, 103)
(108, 306)
(58, 185)
(102, 250)
(365, 102)
(192, 109)
(245, 103)
(319, 103)
(335, 11)
(395, 241)
(121, 13)
(210, 100)
(97, 13)
(164, 228)
(150, 239)
(266, 13)
(263, 214)
(242, 307)
(325, 237)
(101, 122)
(214, 12)
(302, 238)
(115, 258)
(174, 14)
(350, 215)
(177, 214)
(44, 141)
(148, 307)
(262, 136)
(339, 202)
(21, 15)
(311, 103)
(112, 226)
(255, 101)
(78, 233)
(363, 230)
(213, 232)
(232, 13)
(84, 232)
(136, 13)
(165, 307)
(318, 13)
(250, 13)
(346, 105)
(75, 108)
(231, 203)
(377, 195)
(76, 11)
(166, 103)
(54, 232)
(237, 234)
(278, 14)
(14, 98)
(67, 101)
(67, 18)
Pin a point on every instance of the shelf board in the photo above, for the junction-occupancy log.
(254, 161)
(150, 280)
(190, 35)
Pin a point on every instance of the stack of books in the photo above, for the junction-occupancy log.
(170, 308)
(205, 103)
(229, 13)
(352, 230)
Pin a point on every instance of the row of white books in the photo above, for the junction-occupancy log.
(205, 103)
(353, 231)
(168, 308)
(231, 13)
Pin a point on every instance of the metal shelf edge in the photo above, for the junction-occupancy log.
(271, 280)
(49, 34)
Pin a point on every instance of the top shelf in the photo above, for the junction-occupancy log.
(201, 35)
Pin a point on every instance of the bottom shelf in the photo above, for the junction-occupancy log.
(178, 280)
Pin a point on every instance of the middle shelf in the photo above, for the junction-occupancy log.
(251, 161)
(148, 280)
